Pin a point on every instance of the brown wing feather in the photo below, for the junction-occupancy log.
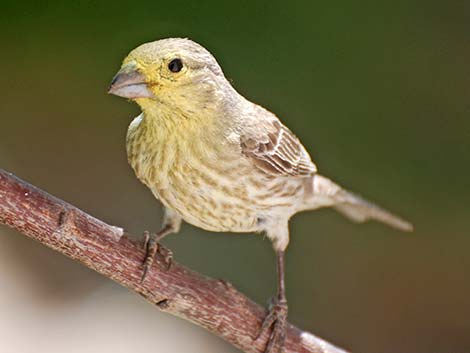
(276, 150)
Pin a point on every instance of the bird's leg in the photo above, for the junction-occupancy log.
(171, 224)
(152, 246)
(277, 316)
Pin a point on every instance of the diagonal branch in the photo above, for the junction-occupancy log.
(213, 304)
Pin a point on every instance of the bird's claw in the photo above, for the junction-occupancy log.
(167, 255)
(152, 246)
(277, 319)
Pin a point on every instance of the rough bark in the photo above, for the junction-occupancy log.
(213, 304)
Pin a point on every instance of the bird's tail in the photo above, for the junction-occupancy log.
(354, 207)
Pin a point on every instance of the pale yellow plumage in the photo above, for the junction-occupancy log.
(217, 160)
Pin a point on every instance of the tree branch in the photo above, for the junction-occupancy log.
(213, 304)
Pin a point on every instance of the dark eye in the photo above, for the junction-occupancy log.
(175, 65)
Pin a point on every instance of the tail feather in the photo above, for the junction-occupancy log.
(355, 207)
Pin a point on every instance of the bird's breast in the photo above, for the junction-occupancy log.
(208, 182)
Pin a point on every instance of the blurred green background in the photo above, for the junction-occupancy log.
(377, 91)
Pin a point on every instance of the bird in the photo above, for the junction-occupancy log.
(220, 162)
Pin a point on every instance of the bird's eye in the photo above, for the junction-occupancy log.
(175, 65)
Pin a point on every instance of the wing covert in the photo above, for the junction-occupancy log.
(276, 150)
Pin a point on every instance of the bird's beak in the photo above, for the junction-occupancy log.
(130, 83)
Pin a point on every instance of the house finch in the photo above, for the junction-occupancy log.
(220, 162)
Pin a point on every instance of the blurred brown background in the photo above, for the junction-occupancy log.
(377, 91)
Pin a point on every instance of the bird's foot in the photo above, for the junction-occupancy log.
(152, 246)
(277, 319)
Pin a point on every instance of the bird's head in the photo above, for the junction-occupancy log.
(173, 72)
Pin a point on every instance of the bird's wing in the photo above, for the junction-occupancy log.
(274, 149)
